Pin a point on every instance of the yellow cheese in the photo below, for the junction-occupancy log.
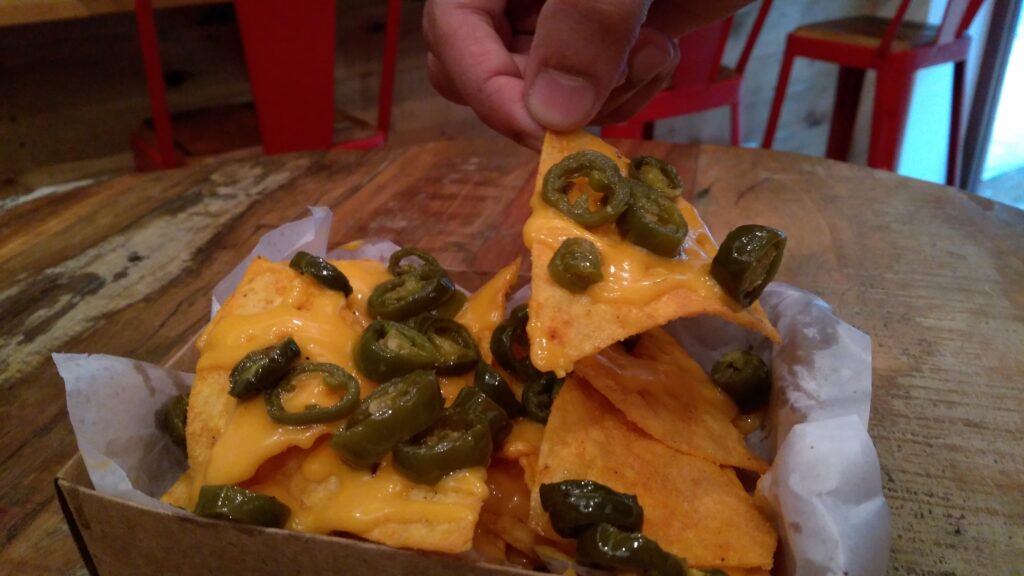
(639, 291)
(327, 496)
(232, 439)
(485, 309)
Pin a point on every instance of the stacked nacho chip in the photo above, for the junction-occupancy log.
(642, 419)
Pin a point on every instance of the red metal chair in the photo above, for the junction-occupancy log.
(289, 54)
(700, 82)
(895, 49)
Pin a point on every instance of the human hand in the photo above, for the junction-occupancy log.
(529, 65)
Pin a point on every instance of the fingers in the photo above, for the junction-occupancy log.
(651, 63)
(470, 63)
(579, 54)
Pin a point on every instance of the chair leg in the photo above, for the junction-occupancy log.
(953, 157)
(149, 45)
(387, 78)
(889, 118)
(844, 112)
(780, 93)
(629, 130)
(735, 124)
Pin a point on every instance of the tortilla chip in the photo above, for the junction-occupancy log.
(485, 309)
(640, 290)
(692, 507)
(673, 401)
(326, 496)
(179, 494)
(271, 302)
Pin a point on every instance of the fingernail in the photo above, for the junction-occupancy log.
(647, 62)
(561, 101)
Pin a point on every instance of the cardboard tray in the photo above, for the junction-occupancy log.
(117, 537)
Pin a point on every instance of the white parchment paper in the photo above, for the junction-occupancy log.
(824, 482)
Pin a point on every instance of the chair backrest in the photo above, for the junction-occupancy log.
(955, 21)
(702, 50)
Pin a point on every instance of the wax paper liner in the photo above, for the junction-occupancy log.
(824, 483)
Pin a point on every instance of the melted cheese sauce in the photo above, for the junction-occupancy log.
(288, 462)
(327, 496)
(325, 329)
(485, 309)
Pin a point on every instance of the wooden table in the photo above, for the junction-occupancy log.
(934, 275)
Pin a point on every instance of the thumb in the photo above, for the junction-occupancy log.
(578, 56)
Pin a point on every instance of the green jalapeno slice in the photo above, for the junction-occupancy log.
(456, 349)
(335, 377)
(747, 261)
(262, 369)
(471, 402)
(705, 572)
(745, 377)
(605, 546)
(397, 265)
(576, 265)
(396, 411)
(409, 294)
(242, 506)
(454, 443)
(322, 271)
(510, 345)
(657, 174)
(490, 382)
(388, 350)
(173, 417)
(604, 177)
(451, 307)
(652, 221)
(578, 505)
(538, 396)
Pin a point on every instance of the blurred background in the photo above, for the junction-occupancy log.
(74, 104)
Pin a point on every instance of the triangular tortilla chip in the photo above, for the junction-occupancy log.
(692, 507)
(669, 396)
(639, 291)
(485, 309)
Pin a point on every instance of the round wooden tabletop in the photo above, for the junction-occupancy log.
(934, 275)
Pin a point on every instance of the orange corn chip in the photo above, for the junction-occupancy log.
(639, 291)
(669, 396)
(692, 507)
(485, 309)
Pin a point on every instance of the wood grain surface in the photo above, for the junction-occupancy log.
(934, 275)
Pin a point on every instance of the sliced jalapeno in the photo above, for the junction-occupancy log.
(173, 417)
(388, 350)
(396, 411)
(657, 174)
(262, 369)
(398, 266)
(576, 265)
(652, 221)
(603, 175)
(745, 377)
(510, 345)
(452, 306)
(335, 377)
(747, 261)
(322, 271)
(242, 506)
(577, 505)
(471, 402)
(454, 443)
(456, 349)
(490, 382)
(605, 546)
(538, 396)
(410, 294)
